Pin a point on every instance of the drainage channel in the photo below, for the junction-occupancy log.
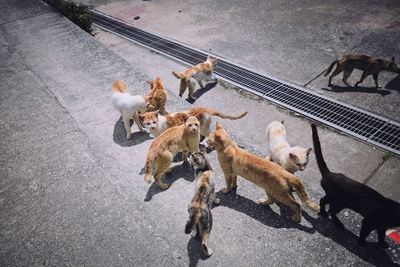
(363, 125)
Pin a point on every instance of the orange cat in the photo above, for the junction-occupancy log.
(268, 175)
(185, 138)
(156, 123)
(158, 96)
(200, 72)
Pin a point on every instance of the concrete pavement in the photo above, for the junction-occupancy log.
(72, 191)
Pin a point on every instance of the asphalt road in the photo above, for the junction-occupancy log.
(72, 190)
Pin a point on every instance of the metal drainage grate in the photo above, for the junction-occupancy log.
(364, 125)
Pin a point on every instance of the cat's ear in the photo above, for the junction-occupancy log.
(283, 121)
(149, 82)
(218, 126)
(185, 117)
(292, 156)
(199, 116)
(141, 116)
(309, 150)
(158, 78)
(157, 112)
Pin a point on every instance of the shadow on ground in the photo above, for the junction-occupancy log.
(183, 170)
(372, 253)
(394, 84)
(368, 90)
(199, 92)
(119, 135)
(195, 252)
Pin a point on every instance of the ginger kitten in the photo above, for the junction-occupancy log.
(379, 212)
(268, 175)
(183, 138)
(128, 105)
(292, 159)
(158, 96)
(200, 218)
(156, 123)
(198, 73)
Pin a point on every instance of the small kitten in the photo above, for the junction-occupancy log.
(200, 218)
(200, 72)
(162, 150)
(158, 96)
(379, 212)
(156, 123)
(128, 105)
(292, 159)
(268, 175)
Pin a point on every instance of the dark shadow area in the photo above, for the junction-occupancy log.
(183, 170)
(263, 214)
(371, 253)
(119, 135)
(394, 84)
(195, 252)
(199, 92)
(369, 90)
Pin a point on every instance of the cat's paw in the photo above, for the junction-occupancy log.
(207, 251)
(194, 233)
(264, 201)
(226, 190)
(147, 178)
(192, 97)
(128, 136)
(217, 201)
(163, 186)
(296, 218)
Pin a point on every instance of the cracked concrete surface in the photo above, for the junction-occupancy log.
(72, 192)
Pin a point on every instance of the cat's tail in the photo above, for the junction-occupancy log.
(330, 67)
(178, 75)
(193, 219)
(323, 168)
(149, 160)
(119, 86)
(224, 116)
(301, 192)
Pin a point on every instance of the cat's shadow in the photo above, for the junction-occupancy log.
(119, 135)
(394, 84)
(199, 92)
(371, 253)
(194, 251)
(369, 90)
(264, 214)
(183, 170)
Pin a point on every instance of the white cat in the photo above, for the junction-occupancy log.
(128, 105)
(291, 159)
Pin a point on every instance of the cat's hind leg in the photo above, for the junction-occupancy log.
(286, 199)
(205, 233)
(334, 209)
(346, 74)
(127, 123)
(161, 166)
(266, 201)
(322, 204)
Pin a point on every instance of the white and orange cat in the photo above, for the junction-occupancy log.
(156, 123)
(185, 138)
(292, 159)
(199, 73)
(128, 105)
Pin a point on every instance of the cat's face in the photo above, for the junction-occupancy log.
(192, 124)
(213, 60)
(149, 120)
(198, 160)
(298, 158)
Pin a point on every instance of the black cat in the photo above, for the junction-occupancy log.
(379, 212)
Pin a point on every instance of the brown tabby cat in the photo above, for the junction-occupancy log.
(268, 175)
(370, 66)
(184, 138)
(200, 218)
(158, 96)
(200, 72)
